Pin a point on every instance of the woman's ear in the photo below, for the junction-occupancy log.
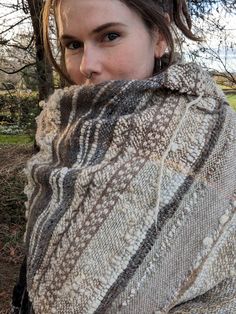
(160, 46)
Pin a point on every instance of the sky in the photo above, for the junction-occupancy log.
(228, 35)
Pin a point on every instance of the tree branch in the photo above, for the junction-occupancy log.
(227, 73)
(5, 43)
(12, 26)
(16, 71)
(6, 14)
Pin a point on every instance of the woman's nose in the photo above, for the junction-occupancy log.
(89, 63)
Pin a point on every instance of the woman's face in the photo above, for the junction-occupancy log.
(107, 39)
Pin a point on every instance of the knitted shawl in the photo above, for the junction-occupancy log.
(132, 197)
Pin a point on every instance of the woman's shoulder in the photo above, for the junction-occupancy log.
(192, 79)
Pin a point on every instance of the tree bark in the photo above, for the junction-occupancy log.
(44, 69)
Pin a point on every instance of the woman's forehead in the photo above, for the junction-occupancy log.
(90, 14)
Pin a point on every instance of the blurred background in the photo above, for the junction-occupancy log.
(26, 77)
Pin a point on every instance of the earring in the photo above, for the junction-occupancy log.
(158, 65)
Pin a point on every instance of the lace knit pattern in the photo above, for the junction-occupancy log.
(131, 199)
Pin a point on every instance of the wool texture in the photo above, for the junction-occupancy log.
(132, 198)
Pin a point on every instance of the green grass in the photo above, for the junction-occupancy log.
(232, 100)
(15, 139)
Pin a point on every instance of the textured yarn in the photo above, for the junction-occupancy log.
(132, 198)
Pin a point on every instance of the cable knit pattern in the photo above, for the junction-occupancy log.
(132, 197)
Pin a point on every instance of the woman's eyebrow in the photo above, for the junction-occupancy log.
(105, 26)
(65, 37)
(95, 31)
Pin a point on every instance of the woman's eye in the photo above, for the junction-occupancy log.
(111, 36)
(73, 45)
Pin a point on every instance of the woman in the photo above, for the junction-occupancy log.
(131, 198)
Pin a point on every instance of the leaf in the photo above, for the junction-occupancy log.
(12, 251)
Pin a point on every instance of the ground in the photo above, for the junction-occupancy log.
(12, 222)
(8, 276)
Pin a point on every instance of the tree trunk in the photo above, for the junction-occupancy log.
(44, 69)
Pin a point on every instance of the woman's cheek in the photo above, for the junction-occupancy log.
(127, 66)
(73, 69)
(121, 63)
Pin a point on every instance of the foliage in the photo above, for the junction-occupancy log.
(10, 130)
(29, 77)
(18, 112)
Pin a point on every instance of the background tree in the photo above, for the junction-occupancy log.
(22, 44)
(44, 69)
(214, 20)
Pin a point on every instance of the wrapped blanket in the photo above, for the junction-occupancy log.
(132, 197)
